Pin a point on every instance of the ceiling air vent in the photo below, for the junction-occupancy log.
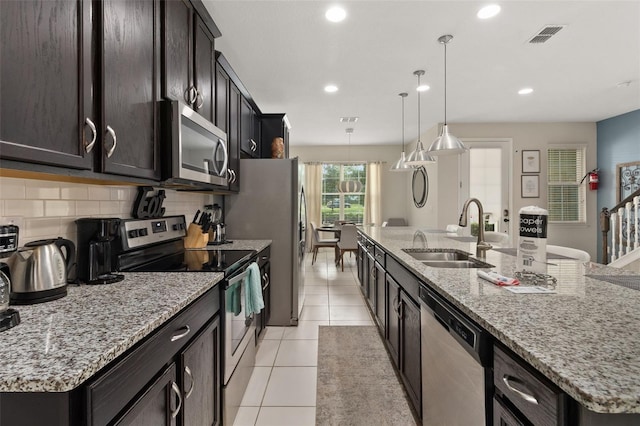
(545, 34)
(348, 119)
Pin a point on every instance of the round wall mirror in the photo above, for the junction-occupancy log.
(420, 187)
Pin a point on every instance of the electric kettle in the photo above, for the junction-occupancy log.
(39, 270)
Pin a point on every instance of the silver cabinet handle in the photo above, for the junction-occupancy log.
(88, 147)
(190, 95)
(186, 329)
(234, 177)
(229, 176)
(254, 145)
(199, 96)
(187, 370)
(527, 397)
(115, 141)
(176, 390)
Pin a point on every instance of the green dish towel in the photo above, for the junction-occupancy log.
(253, 290)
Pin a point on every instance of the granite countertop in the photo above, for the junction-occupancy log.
(584, 338)
(256, 245)
(60, 344)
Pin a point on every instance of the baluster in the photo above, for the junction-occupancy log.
(636, 204)
(627, 210)
(614, 233)
(620, 233)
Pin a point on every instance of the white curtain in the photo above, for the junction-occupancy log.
(372, 210)
(313, 193)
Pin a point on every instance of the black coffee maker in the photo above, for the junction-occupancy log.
(96, 237)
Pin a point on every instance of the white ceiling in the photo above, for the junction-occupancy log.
(285, 52)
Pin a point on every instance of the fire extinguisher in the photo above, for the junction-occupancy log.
(594, 179)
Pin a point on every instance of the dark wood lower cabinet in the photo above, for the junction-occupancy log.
(201, 382)
(410, 364)
(393, 319)
(371, 282)
(157, 406)
(381, 311)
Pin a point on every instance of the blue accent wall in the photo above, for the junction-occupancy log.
(618, 142)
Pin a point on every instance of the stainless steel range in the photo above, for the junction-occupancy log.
(156, 245)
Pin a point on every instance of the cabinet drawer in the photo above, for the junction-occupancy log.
(536, 397)
(502, 416)
(409, 283)
(112, 391)
(379, 254)
(264, 256)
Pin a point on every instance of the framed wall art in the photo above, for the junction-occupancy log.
(531, 161)
(530, 186)
(628, 179)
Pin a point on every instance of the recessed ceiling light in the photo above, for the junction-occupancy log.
(336, 14)
(489, 11)
(525, 91)
(422, 88)
(330, 88)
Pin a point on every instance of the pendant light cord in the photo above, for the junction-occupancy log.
(445, 83)
(402, 122)
(419, 109)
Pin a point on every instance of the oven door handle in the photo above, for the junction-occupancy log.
(237, 278)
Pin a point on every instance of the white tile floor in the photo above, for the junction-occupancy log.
(282, 390)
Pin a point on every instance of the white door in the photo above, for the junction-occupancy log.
(485, 171)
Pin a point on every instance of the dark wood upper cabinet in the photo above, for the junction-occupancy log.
(177, 47)
(45, 83)
(248, 144)
(130, 51)
(188, 57)
(233, 137)
(204, 55)
(222, 98)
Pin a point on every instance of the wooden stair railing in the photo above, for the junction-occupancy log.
(622, 221)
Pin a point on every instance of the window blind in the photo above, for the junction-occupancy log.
(565, 195)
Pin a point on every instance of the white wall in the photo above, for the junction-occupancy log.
(528, 136)
(395, 185)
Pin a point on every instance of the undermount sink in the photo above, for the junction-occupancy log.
(446, 258)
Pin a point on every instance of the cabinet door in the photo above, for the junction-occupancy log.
(156, 406)
(130, 87)
(257, 136)
(360, 260)
(266, 294)
(410, 349)
(247, 144)
(222, 99)
(177, 20)
(46, 83)
(380, 298)
(502, 416)
(393, 318)
(201, 384)
(371, 283)
(204, 70)
(233, 136)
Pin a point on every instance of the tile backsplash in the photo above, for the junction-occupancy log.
(47, 209)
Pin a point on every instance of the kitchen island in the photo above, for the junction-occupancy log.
(583, 338)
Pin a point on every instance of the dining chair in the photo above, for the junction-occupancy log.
(569, 252)
(348, 242)
(320, 242)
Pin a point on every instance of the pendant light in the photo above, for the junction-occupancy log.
(400, 165)
(349, 185)
(446, 143)
(419, 157)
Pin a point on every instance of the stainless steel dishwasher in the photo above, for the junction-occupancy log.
(455, 354)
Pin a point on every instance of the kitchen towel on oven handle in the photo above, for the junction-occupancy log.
(253, 290)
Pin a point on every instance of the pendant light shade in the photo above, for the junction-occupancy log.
(401, 165)
(419, 157)
(349, 185)
(446, 143)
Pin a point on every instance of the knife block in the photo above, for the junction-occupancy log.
(195, 237)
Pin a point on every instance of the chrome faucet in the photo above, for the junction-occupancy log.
(482, 246)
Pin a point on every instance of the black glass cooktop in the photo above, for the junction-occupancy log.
(225, 261)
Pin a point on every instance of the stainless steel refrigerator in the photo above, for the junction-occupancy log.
(271, 205)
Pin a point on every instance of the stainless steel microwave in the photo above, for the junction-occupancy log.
(196, 151)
